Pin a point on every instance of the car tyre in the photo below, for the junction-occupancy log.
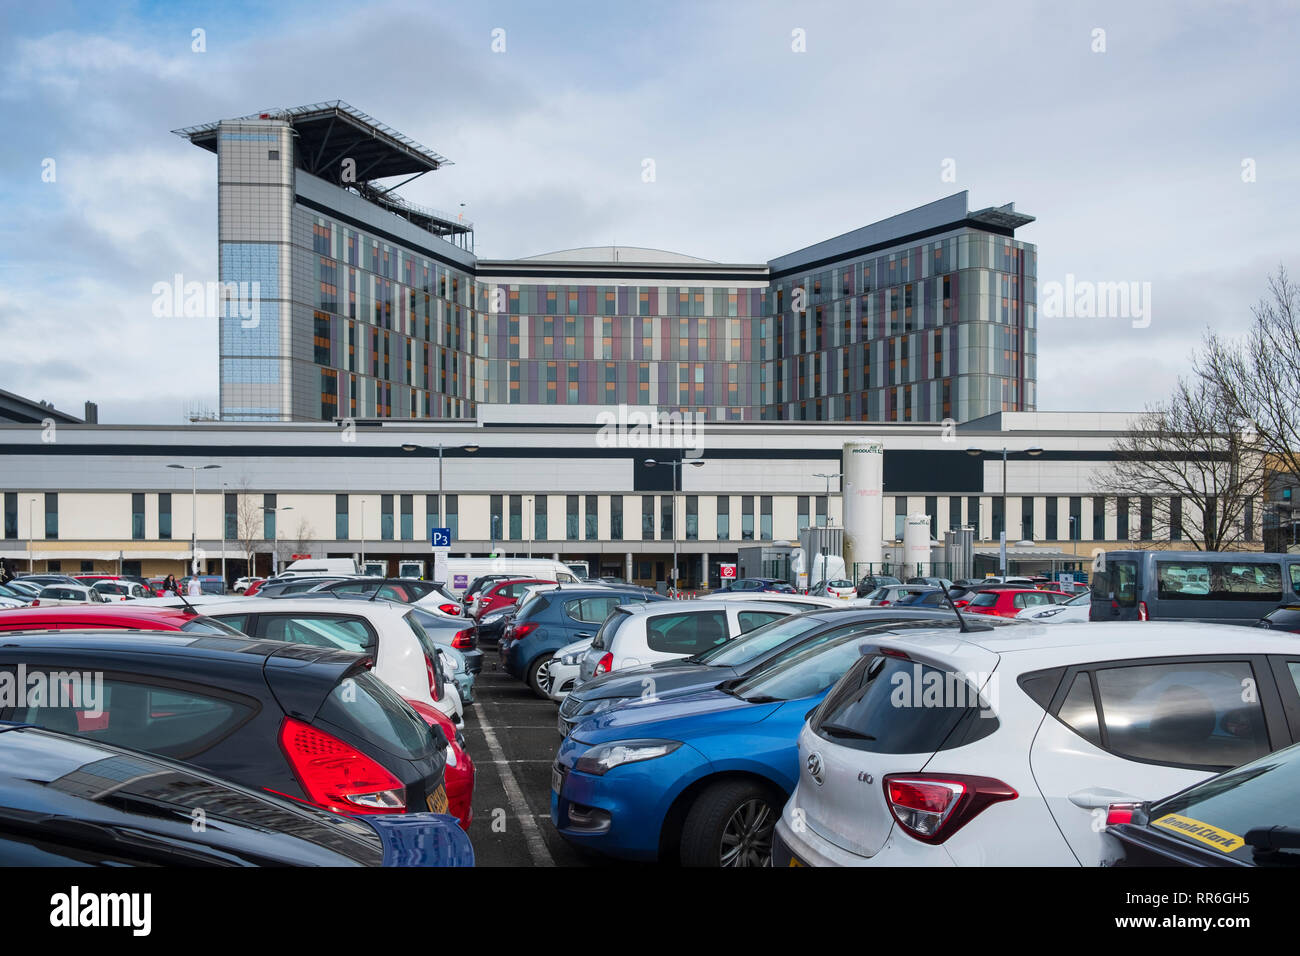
(731, 824)
(539, 676)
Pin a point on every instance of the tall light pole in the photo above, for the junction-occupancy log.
(530, 515)
(224, 579)
(1033, 452)
(363, 535)
(31, 536)
(275, 545)
(412, 447)
(194, 511)
(829, 476)
(676, 467)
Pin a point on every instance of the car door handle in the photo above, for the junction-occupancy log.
(584, 635)
(1094, 798)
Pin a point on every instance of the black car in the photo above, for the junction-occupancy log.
(740, 657)
(1244, 817)
(1284, 618)
(756, 584)
(70, 801)
(402, 590)
(296, 585)
(45, 580)
(305, 722)
(872, 581)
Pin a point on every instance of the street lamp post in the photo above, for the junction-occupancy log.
(413, 447)
(224, 579)
(530, 516)
(194, 511)
(1033, 452)
(31, 536)
(676, 467)
(363, 535)
(829, 522)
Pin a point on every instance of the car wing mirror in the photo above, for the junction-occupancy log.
(1099, 798)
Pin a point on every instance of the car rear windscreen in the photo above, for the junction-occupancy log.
(368, 708)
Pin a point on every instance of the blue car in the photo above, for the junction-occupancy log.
(555, 618)
(698, 779)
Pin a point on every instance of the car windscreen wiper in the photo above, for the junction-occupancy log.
(761, 699)
(839, 730)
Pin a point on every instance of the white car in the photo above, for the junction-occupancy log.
(566, 665)
(636, 634)
(122, 590)
(406, 657)
(796, 602)
(241, 585)
(58, 594)
(838, 588)
(1067, 612)
(1033, 733)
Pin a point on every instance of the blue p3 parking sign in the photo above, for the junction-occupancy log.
(440, 537)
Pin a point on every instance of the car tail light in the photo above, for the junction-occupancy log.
(604, 665)
(434, 685)
(337, 776)
(931, 807)
(464, 640)
(1120, 813)
(36, 602)
(1142, 611)
(883, 604)
(449, 608)
(519, 631)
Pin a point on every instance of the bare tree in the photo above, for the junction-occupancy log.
(1191, 459)
(305, 535)
(248, 522)
(1259, 374)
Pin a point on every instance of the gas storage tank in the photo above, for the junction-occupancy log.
(863, 467)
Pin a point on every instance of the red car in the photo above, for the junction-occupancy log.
(88, 617)
(459, 780)
(501, 594)
(254, 587)
(1008, 602)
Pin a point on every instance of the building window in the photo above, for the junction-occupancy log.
(954, 513)
(1053, 522)
(647, 517)
(539, 517)
(693, 517)
(11, 514)
(408, 517)
(973, 513)
(805, 505)
(496, 520)
(747, 517)
(1027, 518)
(998, 525)
(666, 516)
(724, 518)
(616, 517)
(137, 517)
(1098, 519)
(268, 517)
(823, 503)
(341, 517)
(1076, 518)
(1121, 519)
(453, 515)
(516, 517)
(52, 515)
(765, 518)
(1175, 518)
(571, 519)
(165, 516)
(932, 509)
(592, 518)
(386, 517)
(900, 517)
(1146, 519)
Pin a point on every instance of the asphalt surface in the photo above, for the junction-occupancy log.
(511, 736)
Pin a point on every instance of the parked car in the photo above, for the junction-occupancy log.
(460, 771)
(1008, 602)
(795, 601)
(838, 588)
(254, 586)
(1037, 732)
(432, 597)
(294, 584)
(95, 617)
(25, 589)
(209, 583)
(698, 779)
(871, 582)
(566, 665)
(932, 582)
(1234, 587)
(933, 598)
(241, 584)
(553, 618)
(56, 594)
(885, 596)
(746, 654)
(137, 809)
(13, 597)
(1072, 610)
(492, 624)
(405, 656)
(122, 590)
(310, 723)
(1284, 618)
(637, 635)
(47, 579)
(499, 594)
(756, 584)
(1244, 817)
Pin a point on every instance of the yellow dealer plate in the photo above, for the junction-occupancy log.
(437, 800)
(1200, 832)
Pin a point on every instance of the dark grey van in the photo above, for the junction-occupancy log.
(1227, 587)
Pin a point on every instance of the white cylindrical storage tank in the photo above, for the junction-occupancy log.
(916, 545)
(863, 467)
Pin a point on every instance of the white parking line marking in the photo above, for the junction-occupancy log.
(532, 834)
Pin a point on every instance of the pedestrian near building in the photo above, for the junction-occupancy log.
(195, 589)
(6, 571)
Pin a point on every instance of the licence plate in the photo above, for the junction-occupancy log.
(557, 780)
(562, 726)
(795, 861)
(437, 800)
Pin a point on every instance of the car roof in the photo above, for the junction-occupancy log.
(290, 605)
(95, 614)
(1027, 646)
(120, 646)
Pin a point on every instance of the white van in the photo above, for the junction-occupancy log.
(461, 572)
(337, 566)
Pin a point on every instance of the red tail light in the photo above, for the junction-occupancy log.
(464, 640)
(336, 776)
(36, 602)
(435, 686)
(883, 604)
(449, 608)
(519, 631)
(931, 807)
(604, 665)
(1120, 813)
(1142, 611)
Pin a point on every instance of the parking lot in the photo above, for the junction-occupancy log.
(511, 735)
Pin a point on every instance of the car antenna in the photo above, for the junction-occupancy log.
(188, 606)
(961, 621)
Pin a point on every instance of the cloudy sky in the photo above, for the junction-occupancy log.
(1131, 157)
